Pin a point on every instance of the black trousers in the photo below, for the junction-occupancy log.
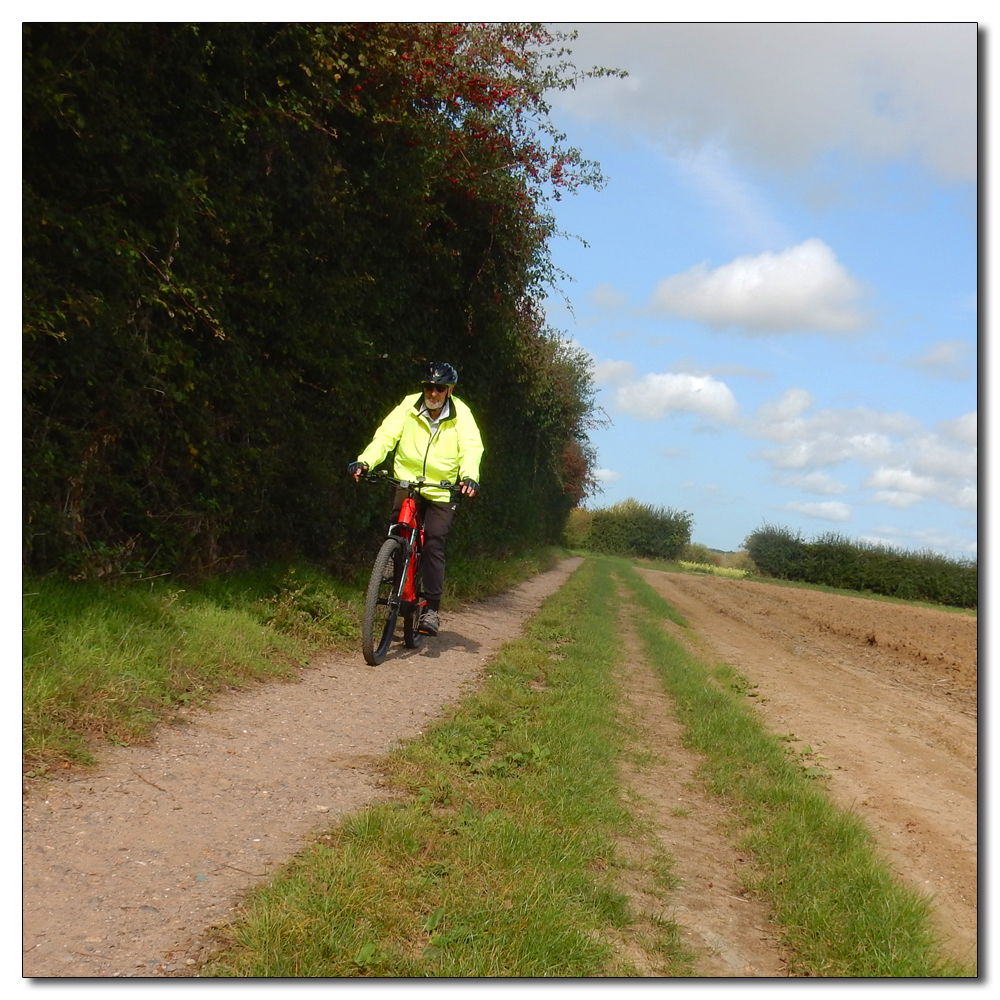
(436, 519)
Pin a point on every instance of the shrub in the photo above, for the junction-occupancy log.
(777, 552)
(740, 560)
(695, 552)
(229, 228)
(577, 528)
(630, 528)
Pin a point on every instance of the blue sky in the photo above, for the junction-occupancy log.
(778, 287)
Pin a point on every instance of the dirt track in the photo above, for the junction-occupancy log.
(127, 867)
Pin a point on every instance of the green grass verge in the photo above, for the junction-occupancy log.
(498, 859)
(842, 910)
(103, 662)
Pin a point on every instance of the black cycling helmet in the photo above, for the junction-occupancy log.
(440, 372)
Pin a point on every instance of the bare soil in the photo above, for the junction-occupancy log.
(129, 866)
(887, 693)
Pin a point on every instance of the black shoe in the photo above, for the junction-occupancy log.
(430, 624)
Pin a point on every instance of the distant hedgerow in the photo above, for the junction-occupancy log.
(835, 561)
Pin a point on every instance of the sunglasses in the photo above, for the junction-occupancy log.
(435, 386)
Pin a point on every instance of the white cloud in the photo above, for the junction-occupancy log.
(656, 395)
(607, 475)
(827, 510)
(816, 482)
(896, 498)
(945, 359)
(902, 486)
(801, 288)
(964, 429)
(613, 372)
(898, 485)
(606, 296)
(786, 93)
(931, 455)
(829, 437)
(905, 463)
(901, 479)
(790, 405)
(829, 449)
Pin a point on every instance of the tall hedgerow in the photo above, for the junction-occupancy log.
(239, 242)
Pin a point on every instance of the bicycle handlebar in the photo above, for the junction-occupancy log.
(415, 484)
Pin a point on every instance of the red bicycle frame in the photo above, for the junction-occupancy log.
(412, 532)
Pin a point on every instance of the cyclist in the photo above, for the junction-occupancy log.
(436, 437)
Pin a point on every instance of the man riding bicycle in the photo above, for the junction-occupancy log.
(435, 437)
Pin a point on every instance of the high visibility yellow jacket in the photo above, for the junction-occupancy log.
(452, 453)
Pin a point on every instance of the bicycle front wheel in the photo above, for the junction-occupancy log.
(411, 625)
(378, 624)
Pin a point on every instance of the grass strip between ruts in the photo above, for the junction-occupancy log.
(498, 857)
(841, 909)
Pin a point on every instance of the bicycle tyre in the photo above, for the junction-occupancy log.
(412, 635)
(378, 624)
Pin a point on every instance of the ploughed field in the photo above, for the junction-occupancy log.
(884, 694)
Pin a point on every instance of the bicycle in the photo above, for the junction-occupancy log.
(392, 587)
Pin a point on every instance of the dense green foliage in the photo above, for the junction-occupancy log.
(835, 561)
(630, 528)
(239, 242)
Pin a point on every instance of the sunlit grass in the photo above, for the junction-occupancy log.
(101, 663)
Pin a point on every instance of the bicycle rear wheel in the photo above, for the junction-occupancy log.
(378, 624)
